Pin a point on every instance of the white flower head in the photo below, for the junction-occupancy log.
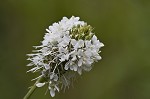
(68, 48)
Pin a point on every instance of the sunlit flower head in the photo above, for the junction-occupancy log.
(69, 47)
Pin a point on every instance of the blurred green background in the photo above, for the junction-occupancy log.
(122, 25)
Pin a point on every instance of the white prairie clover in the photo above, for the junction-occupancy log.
(69, 47)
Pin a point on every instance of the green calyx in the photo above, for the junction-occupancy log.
(82, 32)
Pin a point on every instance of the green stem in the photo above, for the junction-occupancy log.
(32, 89)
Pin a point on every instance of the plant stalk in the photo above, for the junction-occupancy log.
(32, 89)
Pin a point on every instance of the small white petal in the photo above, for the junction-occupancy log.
(80, 53)
(40, 84)
(101, 44)
(81, 43)
(67, 56)
(74, 58)
(55, 77)
(89, 61)
(61, 49)
(51, 75)
(88, 53)
(98, 57)
(75, 67)
(94, 38)
(47, 66)
(79, 71)
(76, 46)
(52, 92)
(30, 64)
(47, 53)
(80, 62)
(71, 67)
(48, 30)
(88, 43)
(73, 42)
(66, 67)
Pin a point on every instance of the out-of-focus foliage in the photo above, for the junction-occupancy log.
(122, 25)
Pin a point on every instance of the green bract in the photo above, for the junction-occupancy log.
(82, 32)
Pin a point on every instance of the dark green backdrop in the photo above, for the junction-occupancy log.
(122, 25)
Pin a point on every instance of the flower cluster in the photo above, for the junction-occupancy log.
(68, 48)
